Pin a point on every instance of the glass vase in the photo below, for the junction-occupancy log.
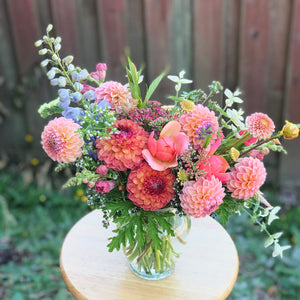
(155, 263)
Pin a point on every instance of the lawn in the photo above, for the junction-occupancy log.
(34, 222)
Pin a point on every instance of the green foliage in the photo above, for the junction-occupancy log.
(42, 218)
(50, 108)
(82, 177)
(136, 225)
(154, 84)
(227, 208)
(133, 80)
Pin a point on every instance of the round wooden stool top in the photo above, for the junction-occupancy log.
(207, 268)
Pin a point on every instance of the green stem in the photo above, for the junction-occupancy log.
(237, 143)
(261, 143)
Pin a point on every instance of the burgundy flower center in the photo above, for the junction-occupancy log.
(155, 185)
(125, 132)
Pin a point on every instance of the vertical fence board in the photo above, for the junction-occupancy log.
(253, 54)
(88, 34)
(230, 52)
(113, 35)
(24, 30)
(65, 25)
(43, 15)
(290, 164)
(135, 31)
(168, 45)
(207, 33)
(11, 117)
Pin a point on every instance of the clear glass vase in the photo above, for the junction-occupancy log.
(154, 263)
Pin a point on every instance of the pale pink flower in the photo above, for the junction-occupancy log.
(200, 119)
(246, 177)
(103, 186)
(260, 125)
(163, 153)
(61, 141)
(117, 95)
(200, 198)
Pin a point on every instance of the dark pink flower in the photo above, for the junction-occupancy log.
(103, 186)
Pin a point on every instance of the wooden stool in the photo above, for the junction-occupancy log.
(207, 268)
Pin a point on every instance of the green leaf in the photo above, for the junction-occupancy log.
(269, 242)
(50, 108)
(153, 86)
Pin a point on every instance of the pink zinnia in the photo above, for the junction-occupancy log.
(117, 95)
(61, 141)
(247, 176)
(260, 125)
(200, 198)
(123, 150)
(150, 189)
(201, 118)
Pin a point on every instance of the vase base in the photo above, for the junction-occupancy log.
(152, 276)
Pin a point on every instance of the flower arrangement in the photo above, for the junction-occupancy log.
(144, 162)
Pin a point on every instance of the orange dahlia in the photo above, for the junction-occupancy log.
(61, 141)
(123, 150)
(117, 95)
(200, 198)
(150, 189)
(260, 125)
(247, 176)
(193, 123)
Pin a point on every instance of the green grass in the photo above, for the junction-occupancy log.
(34, 222)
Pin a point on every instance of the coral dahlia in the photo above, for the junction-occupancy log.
(61, 141)
(150, 189)
(247, 176)
(123, 150)
(200, 198)
(194, 121)
(260, 125)
(117, 95)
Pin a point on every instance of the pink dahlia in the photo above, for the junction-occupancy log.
(260, 125)
(198, 124)
(117, 95)
(200, 198)
(150, 189)
(61, 141)
(247, 176)
(123, 150)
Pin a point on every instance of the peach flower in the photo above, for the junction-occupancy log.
(163, 153)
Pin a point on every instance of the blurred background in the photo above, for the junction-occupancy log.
(250, 44)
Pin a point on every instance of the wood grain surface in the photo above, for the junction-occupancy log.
(207, 268)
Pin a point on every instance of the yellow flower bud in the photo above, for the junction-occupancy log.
(187, 105)
(290, 131)
(234, 153)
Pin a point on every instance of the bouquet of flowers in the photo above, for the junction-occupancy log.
(148, 166)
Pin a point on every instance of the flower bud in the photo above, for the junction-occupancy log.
(290, 131)
(49, 28)
(38, 43)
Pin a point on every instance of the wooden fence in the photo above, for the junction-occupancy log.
(251, 44)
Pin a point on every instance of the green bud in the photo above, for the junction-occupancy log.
(49, 28)
(43, 51)
(38, 43)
